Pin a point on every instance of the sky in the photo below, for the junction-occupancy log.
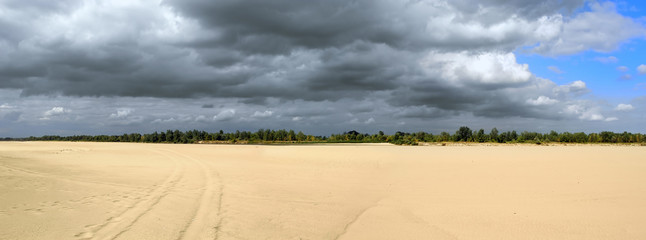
(73, 67)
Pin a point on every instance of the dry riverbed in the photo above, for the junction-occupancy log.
(64, 190)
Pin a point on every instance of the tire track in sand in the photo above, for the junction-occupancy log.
(56, 177)
(205, 222)
(113, 227)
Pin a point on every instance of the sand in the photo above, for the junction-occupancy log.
(62, 190)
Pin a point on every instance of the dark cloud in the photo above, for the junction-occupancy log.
(363, 67)
(424, 112)
(289, 61)
(524, 8)
(12, 116)
(272, 27)
(40, 6)
(314, 50)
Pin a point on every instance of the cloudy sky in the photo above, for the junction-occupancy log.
(321, 66)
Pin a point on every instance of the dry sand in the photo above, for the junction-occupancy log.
(158, 191)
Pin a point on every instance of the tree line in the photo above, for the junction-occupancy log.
(268, 136)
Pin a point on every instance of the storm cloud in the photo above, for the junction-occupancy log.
(244, 61)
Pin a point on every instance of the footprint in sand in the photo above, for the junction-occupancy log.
(85, 235)
(37, 211)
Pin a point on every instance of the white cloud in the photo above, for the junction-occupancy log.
(367, 121)
(484, 68)
(641, 69)
(178, 119)
(622, 68)
(626, 77)
(451, 27)
(624, 107)
(296, 119)
(555, 69)
(586, 113)
(611, 119)
(576, 87)
(124, 117)
(6, 106)
(55, 111)
(573, 109)
(602, 29)
(186, 118)
(168, 120)
(121, 113)
(610, 59)
(225, 115)
(201, 118)
(591, 116)
(541, 100)
(264, 114)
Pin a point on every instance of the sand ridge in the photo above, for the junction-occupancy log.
(65, 190)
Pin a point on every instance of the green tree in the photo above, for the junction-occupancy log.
(493, 135)
(300, 136)
(291, 136)
(481, 136)
(463, 134)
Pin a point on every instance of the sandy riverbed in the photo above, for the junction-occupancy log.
(158, 191)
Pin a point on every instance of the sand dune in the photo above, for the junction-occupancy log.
(157, 191)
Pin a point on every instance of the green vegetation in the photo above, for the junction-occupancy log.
(267, 136)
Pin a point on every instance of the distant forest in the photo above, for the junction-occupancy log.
(267, 136)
